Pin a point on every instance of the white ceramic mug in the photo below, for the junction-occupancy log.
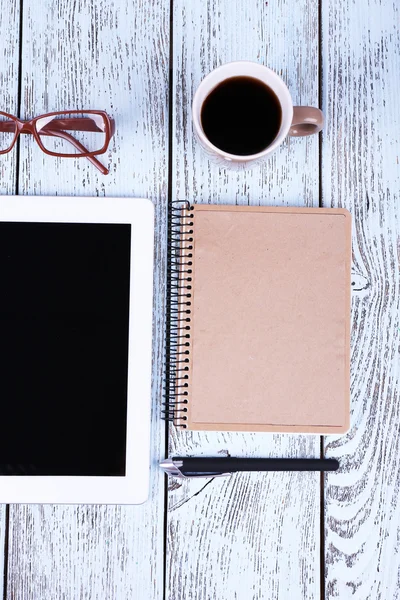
(296, 120)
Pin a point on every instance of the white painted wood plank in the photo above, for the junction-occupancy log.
(9, 65)
(3, 557)
(106, 55)
(361, 150)
(254, 536)
(113, 56)
(282, 35)
(84, 552)
(246, 537)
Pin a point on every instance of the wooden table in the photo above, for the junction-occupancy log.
(259, 536)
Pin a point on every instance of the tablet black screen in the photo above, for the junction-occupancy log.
(64, 316)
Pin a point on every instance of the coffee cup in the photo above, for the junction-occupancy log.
(242, 112)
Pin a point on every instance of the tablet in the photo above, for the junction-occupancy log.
(75, 349)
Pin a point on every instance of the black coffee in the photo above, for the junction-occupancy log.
(241, 116)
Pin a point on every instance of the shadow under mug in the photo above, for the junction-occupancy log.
(296, 121)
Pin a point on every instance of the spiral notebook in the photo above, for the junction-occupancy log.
(259, 322)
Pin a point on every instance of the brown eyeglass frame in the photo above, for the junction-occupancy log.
(78, 124)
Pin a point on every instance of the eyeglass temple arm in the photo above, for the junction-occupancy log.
(78, 146)
(81, 124)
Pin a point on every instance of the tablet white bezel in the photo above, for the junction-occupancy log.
(133, 488)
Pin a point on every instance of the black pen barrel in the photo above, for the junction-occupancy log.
(231, 465)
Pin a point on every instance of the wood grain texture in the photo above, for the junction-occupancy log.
(235, 537)
(251, 537)
(84, 552)
(3, 557)
(113, 56)
(361, 150)
(277, 34)
(9, 73)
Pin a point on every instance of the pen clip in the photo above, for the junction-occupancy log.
(173, 468)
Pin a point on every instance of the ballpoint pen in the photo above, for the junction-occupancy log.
(178, 466)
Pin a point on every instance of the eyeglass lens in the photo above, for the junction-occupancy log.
(71, 133)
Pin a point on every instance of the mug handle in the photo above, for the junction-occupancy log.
(306, 121)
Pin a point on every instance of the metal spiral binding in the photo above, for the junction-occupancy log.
(179, 308)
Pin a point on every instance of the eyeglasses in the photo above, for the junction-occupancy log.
(93, 130)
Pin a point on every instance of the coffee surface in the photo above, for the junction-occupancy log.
(242, 116)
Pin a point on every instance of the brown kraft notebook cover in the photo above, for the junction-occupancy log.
(269, 345)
